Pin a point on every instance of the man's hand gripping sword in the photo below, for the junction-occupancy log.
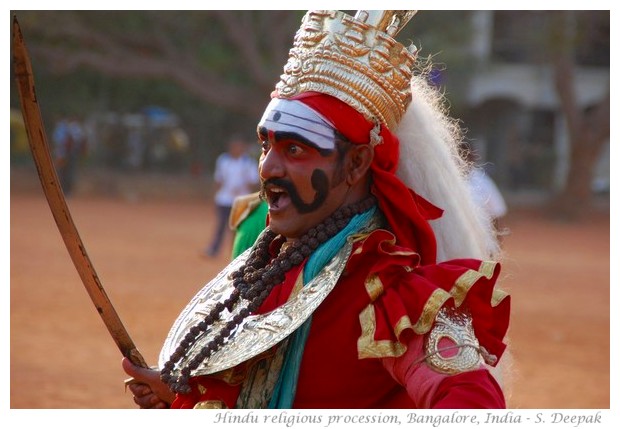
(56, 200)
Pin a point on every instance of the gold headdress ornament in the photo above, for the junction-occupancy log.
(354, 59)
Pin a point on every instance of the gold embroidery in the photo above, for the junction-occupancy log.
(391, 241)
(487, 268)
(367, 347)
(232, 376)
(358, 251)
(360, 236)
(432, 306)
(464, 283)
(374, 287)
(498, 296)
(209, 405)
(258, 388)
(299, 284)
(401, 325)
(403, 253)
(459, 292)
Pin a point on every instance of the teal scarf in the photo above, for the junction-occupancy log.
(284, 391)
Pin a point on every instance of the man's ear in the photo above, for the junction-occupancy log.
(359, 159)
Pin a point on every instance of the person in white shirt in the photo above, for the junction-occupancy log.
(236, 173)
(486, 195)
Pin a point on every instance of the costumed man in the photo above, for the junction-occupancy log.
(369, 287)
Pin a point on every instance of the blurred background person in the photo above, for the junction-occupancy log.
(236, 174)
(69, 140)
(485, 192)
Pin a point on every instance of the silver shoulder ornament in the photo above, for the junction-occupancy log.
(257, 333)
(462, 351)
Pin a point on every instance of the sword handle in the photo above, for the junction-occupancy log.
(136, 358)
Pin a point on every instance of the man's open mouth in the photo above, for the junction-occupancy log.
(276, 197)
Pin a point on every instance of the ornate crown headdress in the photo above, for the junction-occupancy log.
(355, 59)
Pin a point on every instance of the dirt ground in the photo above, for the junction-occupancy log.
(147, 255)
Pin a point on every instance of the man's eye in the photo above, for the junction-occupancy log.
(265, 146)
(294, 149)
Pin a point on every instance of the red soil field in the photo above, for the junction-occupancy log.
(147, 255)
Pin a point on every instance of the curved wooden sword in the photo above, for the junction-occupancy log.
(56, 200)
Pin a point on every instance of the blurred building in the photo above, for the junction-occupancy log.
(514, 117)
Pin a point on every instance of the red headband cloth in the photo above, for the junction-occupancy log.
(407, 213)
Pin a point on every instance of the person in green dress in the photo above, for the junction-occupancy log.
(247, 220)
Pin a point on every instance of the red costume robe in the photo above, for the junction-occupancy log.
(366, 344)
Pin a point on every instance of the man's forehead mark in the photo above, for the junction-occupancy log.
(295, 117)
(277, 115)
(288, 119)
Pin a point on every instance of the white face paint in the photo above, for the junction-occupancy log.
(292, 116)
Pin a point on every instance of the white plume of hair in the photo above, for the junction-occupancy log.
(430, 165)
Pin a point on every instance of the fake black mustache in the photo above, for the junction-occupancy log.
(319, 183)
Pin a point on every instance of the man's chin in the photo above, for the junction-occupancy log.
(287, 231)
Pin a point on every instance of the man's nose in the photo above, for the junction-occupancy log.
(271, 165)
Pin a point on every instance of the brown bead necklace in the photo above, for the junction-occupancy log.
(253, 282)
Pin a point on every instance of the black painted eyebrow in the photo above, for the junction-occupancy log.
(262, 132)
(290, 135)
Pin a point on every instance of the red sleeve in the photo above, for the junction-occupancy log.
(404, 298)
(428, 388)
(469, 390)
